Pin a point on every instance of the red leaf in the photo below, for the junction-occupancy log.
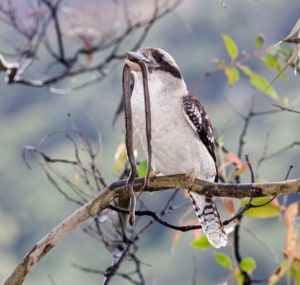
(228, 205)
(234, 159)
(290, 214)
(291, 237)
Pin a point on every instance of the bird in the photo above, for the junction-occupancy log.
(182, 136)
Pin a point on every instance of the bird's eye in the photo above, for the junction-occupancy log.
(159, 59)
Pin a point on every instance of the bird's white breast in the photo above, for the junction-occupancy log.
(176, 148)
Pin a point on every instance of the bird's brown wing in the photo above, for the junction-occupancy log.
(198, 119)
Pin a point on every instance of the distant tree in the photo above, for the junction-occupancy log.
(90, 52)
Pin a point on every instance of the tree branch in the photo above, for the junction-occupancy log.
(114, 190)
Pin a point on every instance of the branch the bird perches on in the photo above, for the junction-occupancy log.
(114, 190)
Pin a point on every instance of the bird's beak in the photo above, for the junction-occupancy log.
(133, 59)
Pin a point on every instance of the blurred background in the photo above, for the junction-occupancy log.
(30, 206)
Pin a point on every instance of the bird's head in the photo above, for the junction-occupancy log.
(157, 61)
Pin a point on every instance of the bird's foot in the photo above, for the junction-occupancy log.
(191, 176)
(153, 174)
(150, 177)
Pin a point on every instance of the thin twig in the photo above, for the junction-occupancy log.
(247, 278)
(157, 219)
(286, 109)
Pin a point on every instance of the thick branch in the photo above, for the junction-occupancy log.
(105, 197)
(56, 235)
(214, 189)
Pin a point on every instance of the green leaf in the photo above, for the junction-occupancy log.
(201, 242)
(239, 277)
(142, 168)
(246, 69)
(263, 85)
(248, 264)
(223, 260)
(231, 46)
(259, 42)
(259, 82)
(272, 61)
(295, 272)
(232, 74)
(285, 101)
(267, 211)
(285, 51)
(120, 158)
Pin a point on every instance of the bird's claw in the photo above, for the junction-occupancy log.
(191, 176)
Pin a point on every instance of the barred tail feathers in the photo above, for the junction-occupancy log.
(210, 220)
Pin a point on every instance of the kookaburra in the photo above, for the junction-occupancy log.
(182, 134)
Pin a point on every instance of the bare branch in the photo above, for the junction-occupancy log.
(53, 11)
(69, 60)
(287, 109)
(157, 219)
(266, 156)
